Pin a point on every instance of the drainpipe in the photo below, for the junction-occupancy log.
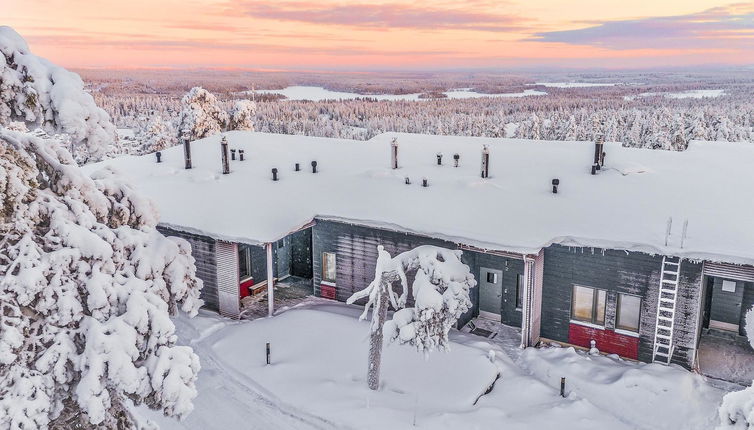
(270, 282)
(528, 299)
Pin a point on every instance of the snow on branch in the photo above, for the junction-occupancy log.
(87, 289)
(440, 291)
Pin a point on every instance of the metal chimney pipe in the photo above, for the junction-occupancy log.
(555, 183)
(233, 154)
(187, 153)
(158, 154)
(274, 174)
(456, 157)
(240, 154)
(394, 153)
(224, 152)
(485, 161)
(314, 167)
(439, 158)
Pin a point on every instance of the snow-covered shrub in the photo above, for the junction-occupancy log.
(158, 136)
(87, 287)
(737, 409)
(201, 115)
(242, 115)
(42, 94)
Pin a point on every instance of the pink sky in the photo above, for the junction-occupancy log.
(325, 34)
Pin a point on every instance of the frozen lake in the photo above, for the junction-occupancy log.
(300, 92)
(691, 94)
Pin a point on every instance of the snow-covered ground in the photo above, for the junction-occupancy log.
(696, 94)
(318, 370)
(300, 92)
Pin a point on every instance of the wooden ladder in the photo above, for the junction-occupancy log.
(666, 303)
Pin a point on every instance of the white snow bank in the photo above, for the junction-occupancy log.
(626, 206)
(316, 380)
(649, 396)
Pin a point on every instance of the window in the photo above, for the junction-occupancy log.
(629, 308)
(328, 266)
(244, 262)
(281, 243)
(519, 291)
(588, 305)
(491, 278)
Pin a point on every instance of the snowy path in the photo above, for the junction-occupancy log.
(227, 398)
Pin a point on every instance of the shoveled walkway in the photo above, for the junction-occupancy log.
(289, 292)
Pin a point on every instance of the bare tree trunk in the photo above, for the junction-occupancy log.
(375, 344)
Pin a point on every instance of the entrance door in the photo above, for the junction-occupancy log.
(725, 306)
(490, 293)
(301, 254)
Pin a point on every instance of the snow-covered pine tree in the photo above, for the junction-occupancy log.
(440, 292)
(737, 409)
(202, 115)
(158, 136)
(87, 287)
(41, 94)
(242, 115)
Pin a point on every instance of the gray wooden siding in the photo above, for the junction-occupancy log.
(619, 272)
(356, 255)
(203, 250)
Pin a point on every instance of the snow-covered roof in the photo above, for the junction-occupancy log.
(625, 206)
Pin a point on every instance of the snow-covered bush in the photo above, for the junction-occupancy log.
(737, 410)
(158, 136)
(441, 295)
(201, 115)
(242, 115)
(42, 94)
(87, 286)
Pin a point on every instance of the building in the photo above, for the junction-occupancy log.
(646, 256)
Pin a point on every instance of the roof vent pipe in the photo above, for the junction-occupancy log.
(394, 153)
(240, 154)
(233, 154)
(439, 158)
(425, 182)
(158, 154)
(314, 167)
(224, 151)
(274, 174)
(456, 157)
(485, 161)
(555, 183)
(187, 153)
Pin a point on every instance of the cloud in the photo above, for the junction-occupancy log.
(729, 27)
(142, 42)
(382, 16)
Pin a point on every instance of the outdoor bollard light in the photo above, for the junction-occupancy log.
(268, 352)
(159, 156)
(562, 385)
(233, 154)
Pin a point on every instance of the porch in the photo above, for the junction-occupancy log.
(289, 292)
(726, 356)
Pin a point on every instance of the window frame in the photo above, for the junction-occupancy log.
(618, 306)
(594, 306)
(325, 266)
(244, 250)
